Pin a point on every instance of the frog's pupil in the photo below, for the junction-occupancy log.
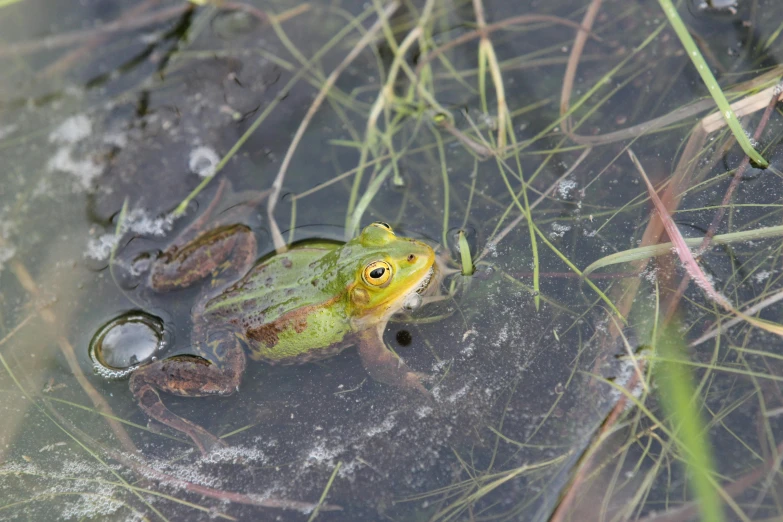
(378, 272)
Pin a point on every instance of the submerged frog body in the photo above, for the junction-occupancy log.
(299, 306)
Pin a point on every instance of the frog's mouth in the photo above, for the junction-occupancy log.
(413, 299)
(425, 281)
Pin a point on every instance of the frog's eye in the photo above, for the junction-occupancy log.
(377, 273)
(383, 225)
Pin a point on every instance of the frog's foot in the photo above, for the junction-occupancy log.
(188, 376)
(204, 440)
(421, 378)
(386, 367)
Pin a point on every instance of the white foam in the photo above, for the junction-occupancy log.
(85, 171)
(7, 130)
(203, 161)
(73, 130)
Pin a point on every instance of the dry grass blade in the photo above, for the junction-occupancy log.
(689, 262)
(487, 56)
(751, 310)
(573, 61)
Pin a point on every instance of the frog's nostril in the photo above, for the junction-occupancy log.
(411, 258)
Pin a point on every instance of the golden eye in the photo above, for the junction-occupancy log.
(383, 225)
(377, 273)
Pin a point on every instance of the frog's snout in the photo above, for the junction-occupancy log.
(420, 254)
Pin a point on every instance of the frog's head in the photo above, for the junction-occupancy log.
(390, 271)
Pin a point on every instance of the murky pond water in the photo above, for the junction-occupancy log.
(121, 122)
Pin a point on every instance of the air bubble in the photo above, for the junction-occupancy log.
(203, 161)
(453, 238)
(412, 302)
(126, 342)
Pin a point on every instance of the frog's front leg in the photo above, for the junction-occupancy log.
(383, 365)
(218, 373)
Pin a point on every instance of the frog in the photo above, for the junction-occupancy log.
(298, 306)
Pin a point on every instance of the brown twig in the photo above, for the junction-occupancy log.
(64, 39)
(27, 282)
(66, 62)
(586, 464)
(573, 61)
(522, 19)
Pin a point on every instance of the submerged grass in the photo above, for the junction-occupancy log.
(712, 85)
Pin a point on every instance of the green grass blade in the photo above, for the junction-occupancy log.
(573, 268)
(364, 202)
(712, 84)
(314, 514)
(464, 253)
(636, 254)
(676, 387)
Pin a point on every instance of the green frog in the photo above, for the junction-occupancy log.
(302, 305)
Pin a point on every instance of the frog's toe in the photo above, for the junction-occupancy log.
(206, 442)
(426, 377)
(203, 440)
(414, 380)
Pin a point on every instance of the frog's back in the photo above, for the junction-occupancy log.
(283, 311)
